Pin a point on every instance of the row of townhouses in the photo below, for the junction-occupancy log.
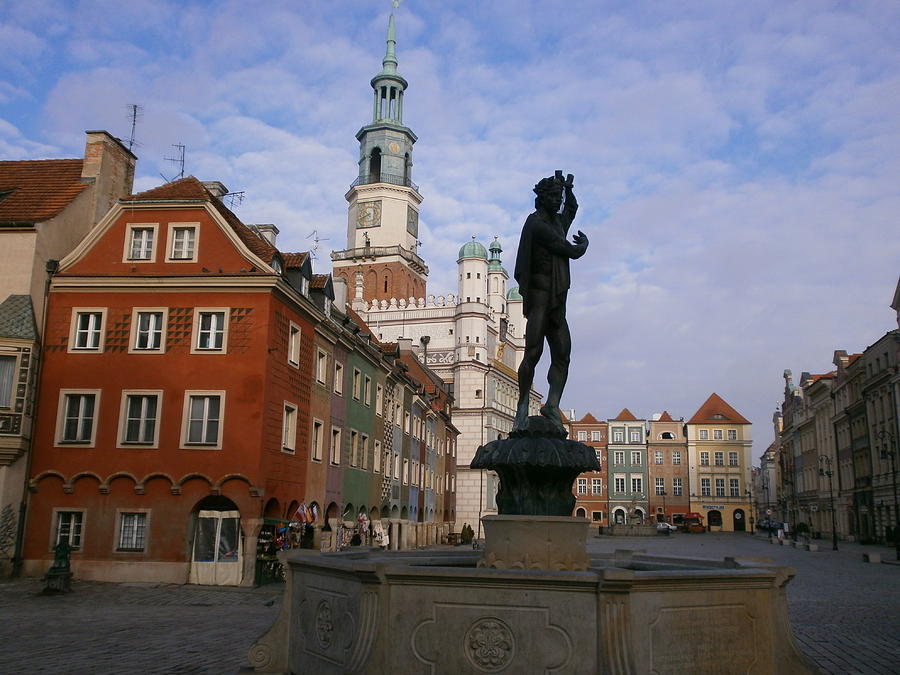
(660, 469)
(832, 468)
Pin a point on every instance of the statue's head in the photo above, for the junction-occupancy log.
(549, 193)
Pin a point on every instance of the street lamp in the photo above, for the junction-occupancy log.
(887, 450)
(752, 509)
(765, 484)
(825, 470)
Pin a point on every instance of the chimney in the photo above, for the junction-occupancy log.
(266, 231)
(339, 284)
(218, 189)
(109, 165)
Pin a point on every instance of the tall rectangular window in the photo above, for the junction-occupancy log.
(148, 331)
(635, 435)
(704, 434)
(618, 434)
(732, 459)
(183, 243)
(636, 457)
(676, 457)
(379, 398)
(338, 378)
(732, 434)
(595, 437)
(68, 528)
(132, 531)
(704, 458)
(317, 432)
(720, 487)
(88, 330)
(405, 471)
(335, 445)
(660, 485)
(203, 419)
(367, 390)
(7, 377)
(210, 331)
(596, 486)
(294, 344)
(677, 487)
(618, 457)
(357, 384)
(141, 244)
(321, 367)
(289, 427)
(717, 434)
(658, 457)
(704, 487)
(719, 458)
(735, 487)
(364, 452)
(582, 436)
(78, 418)
(637, 484)
(582, 486)
(354, 447)
(376, 457)
(141, 417)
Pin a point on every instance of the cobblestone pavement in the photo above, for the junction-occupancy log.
(845, 614)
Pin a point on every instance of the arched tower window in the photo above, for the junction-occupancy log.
(375, 166)
(406, 169)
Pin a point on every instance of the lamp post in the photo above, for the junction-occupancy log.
(765, 484)
(825, 470)
(888, 450)
(752, 509)
(665, 515)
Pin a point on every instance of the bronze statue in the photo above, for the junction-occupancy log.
(542, 270)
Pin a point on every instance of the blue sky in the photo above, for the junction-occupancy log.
(736, 163)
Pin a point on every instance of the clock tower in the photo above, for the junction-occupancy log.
(383, 212)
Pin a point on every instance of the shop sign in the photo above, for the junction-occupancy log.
(713, 507)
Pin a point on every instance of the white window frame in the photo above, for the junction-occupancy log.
(379, 399)
(677, 487)
(636, 458)
(61, 418)
(295, 337)
(136, 313)
(582, 486)
(317, 439)
(718, 435)
(704, 458)
(123, 418)
(635, 435)
(705, 487)
(289, 427)
(57, 526)
(618, 434)
(100, 330)
(334, 449)
(720, 487)
(732, 434)
(170, 242)
(199, 312)
(130, 230)
(619, 457)
(185, 420)
(406, 472)
(7, 395)
(367, 390)
(356, 384)
(354, 447)
(364, 451)
(657, 456)
(660, 485)
(734, 487)
(338, 378)
(719, 458)
(637, 484)
(322, 367)
(596, 486)
(596, 437)
(733, 459)
(676, 457)
(582, 436)
(704, 434)
(120, 522)
(376, 456)
(619, 482)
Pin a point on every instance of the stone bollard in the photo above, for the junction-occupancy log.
(871, 557)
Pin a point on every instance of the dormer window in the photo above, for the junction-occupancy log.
(182, 243)
(140, 240)
(276, 265)
(304, 286)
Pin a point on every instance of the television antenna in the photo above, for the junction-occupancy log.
(179, 149)
(134, 112)
(314, 235)
(234, 198)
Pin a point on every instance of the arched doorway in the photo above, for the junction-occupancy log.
(580, 513)
(272, 510)
(375, 166)
(639, 516)
(715, 518)
(619, 516)
(740, 522)
(217, 547)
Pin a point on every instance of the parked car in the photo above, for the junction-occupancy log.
(665, 528)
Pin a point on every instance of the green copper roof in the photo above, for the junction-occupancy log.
(473, 249)
(496, 266)
(513, 294)
(389, 63)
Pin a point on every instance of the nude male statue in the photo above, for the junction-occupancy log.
(542, 270)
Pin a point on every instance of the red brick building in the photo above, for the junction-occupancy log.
(178, 362)
(591, 488)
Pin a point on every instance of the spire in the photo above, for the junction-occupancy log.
(389, 85)
(390, 57)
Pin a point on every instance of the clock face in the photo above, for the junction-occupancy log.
(368, 214)
(393, 147)
(412, 221)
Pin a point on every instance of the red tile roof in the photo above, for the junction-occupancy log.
(191, 189)
(666, 417)
(588, 419)
(294, 260)
(37, 190)
(824, 376)
(625, 416)
(319, 281)
(714, 406)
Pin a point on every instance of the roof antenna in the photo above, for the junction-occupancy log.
(179, 147)
(134, 111)
(316, 239)
(234, 198)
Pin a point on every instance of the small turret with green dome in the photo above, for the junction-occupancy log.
(494, 264)
(513, 294)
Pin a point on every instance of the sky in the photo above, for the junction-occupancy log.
(736, 163)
